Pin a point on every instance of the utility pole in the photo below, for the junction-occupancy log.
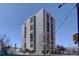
(78, 24)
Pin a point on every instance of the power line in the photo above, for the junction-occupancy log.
(61, 24)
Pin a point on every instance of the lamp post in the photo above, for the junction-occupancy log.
(78, 24)
(77, 5)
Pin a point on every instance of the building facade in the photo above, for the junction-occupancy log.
(38, 34)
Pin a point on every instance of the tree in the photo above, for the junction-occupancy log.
(4, 43)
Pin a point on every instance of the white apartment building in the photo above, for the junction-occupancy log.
(38, 34)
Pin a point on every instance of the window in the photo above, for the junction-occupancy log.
(52, 52)
(31, 20)
(47, 22)
(47, 26)
(31, 39)
(51, 18)
(25, 32)
(47, 16)
(51, 21)
(24, 35)
(25, 45)
(52, 28)
(51, 25)
(51, 42)
(25, 29)
(45, 52)
(47, 41)
(31, 35)
(31, 45)
(31, 27)
(48, 29)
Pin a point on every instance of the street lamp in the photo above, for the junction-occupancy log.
(61, 5)
(77, 5)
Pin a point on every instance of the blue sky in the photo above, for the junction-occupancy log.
(12, 16)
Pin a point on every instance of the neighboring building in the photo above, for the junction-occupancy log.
(38, 34)
(72, 50)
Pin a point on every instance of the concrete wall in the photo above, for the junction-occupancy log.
(39, 32)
